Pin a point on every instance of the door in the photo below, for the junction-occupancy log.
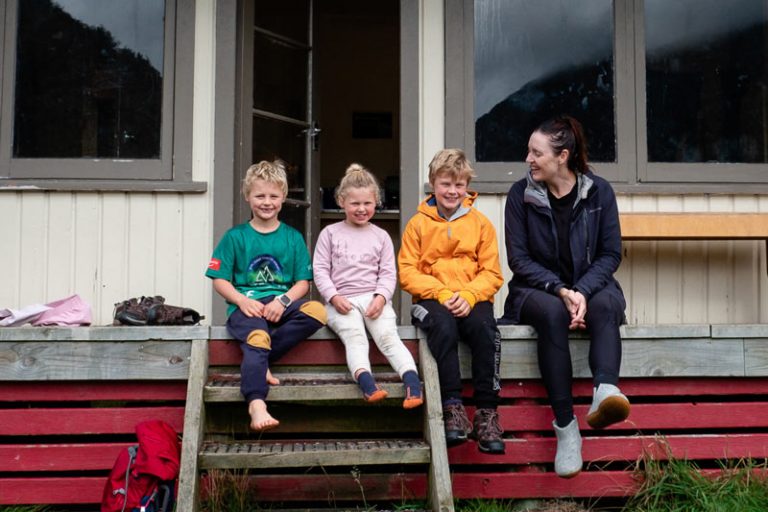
(276, 101)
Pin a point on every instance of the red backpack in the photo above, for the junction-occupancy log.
(143, 478)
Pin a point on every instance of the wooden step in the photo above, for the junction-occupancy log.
(287, 454)
(298, 387)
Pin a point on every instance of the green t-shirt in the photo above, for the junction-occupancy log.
(260, 264)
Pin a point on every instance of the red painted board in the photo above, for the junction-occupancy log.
(31, 422)
(59, 457)
(51, 491)
(542, 485)
(600, 450)
(87, 391)
(587, 484)
(650, 386)
(309, 352)
(645, 417)
(341, 487)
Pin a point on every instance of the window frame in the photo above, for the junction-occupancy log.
(171, 172)
(631, 173)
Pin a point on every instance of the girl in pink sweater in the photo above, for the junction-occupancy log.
(354, 270)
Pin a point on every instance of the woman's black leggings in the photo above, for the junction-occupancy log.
(549, 316)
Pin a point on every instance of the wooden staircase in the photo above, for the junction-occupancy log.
(329, 442)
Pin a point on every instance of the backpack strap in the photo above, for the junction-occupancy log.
(132, 450)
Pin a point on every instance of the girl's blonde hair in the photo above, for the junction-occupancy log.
(271, 172)
(357, 176)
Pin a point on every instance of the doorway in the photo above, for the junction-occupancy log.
(319, 88)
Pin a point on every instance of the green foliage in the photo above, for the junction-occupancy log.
(479, 505)
(679, 486)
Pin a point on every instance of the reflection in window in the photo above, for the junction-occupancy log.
(538, 58)
(89, 79)
(706, 80)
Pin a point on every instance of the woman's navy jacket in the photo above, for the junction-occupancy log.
(532, 247)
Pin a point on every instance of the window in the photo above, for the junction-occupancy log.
(96, 90)
(668, 92)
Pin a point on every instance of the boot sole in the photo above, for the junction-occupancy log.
(611, 410)
(490, 451)
(570, 475)
(454, 441)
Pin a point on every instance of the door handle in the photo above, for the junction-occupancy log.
(314, 135)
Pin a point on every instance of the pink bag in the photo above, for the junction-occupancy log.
(69, 311)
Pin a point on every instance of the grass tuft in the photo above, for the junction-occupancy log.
(228, 491)
(679, 486)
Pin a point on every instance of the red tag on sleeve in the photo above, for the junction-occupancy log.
(214, 264)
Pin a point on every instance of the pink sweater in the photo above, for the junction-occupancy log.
(351, 261)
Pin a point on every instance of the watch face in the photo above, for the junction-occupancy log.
(284, 300)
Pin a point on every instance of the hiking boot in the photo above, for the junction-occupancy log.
(568, 460)
(609, 406)
(487, 431)
(163, 314)
(457, 425)
(135, 311)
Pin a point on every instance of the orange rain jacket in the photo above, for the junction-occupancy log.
(460, 254)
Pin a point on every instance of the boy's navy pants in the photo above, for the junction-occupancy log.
(264, 342)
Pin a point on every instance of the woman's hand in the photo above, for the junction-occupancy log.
(375, 307)
(341, 304)
(576, 303)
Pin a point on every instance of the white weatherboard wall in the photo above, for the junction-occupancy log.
(112, 246)
(690, 282)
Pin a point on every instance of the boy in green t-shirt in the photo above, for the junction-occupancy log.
(262, 269)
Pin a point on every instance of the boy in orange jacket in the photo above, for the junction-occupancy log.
(449, 263)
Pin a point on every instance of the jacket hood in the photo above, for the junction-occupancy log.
(428, 207)
(536, 192)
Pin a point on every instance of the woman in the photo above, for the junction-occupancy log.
(563, 246)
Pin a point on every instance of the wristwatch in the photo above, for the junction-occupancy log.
(284, 300)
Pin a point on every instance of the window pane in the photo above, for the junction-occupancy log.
(538, 58)
(273, 139)
(89, 79)
(279, 77)
(706, 80)
(288, 18)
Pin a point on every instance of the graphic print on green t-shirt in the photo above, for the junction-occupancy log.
(265, 274)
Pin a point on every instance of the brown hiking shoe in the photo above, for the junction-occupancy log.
(457, 425)
(163, 314)
(487, 431)
(135, 311)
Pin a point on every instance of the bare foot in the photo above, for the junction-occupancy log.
(271, 379)
(261, 419)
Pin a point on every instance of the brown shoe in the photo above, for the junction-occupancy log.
(488, 431)
(135, 311)
(457, 425)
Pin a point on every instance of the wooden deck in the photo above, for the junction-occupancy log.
(70, 398)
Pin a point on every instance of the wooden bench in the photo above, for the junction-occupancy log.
(330, 446)
(695, 226)
(71, 397)
(698, 392)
